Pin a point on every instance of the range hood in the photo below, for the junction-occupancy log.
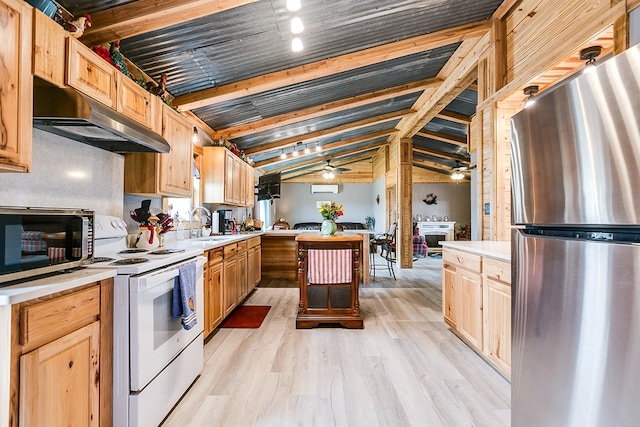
(71, 114)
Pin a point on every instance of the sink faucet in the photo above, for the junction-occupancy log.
(207, 214)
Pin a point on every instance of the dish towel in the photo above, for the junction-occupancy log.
(329, 266)
(184, 296)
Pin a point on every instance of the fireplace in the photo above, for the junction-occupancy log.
(436, 231)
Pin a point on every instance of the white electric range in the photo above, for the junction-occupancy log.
(155, 359)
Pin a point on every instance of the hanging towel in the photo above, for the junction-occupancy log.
(329, 266)
(184, 296)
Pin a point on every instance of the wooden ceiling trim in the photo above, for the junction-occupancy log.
(432, 165)
(339, 64)
(454, 117)
(461, 71)
(327, 132)
(438, 136)
(143, 16)
(441, 154)
(332, 146)
(327, 108)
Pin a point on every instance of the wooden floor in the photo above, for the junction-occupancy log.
(405, 368)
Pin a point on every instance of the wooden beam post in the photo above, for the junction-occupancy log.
(404, 233)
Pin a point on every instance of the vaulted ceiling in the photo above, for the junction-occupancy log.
(359, 80)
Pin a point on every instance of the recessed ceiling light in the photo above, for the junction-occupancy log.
(296, 25)
(293, 5)
(296, 44)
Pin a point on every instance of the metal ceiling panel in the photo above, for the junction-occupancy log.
(447, 127)
(465, 103)
(443, 147)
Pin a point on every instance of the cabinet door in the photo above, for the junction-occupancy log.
(253, 266)
(90, 74)
(49, 49)
(175, 166)
(58, 381)
(229, 169)
(469, 322)
(16, 86)
(213, 297)
(249, 186)
(243, 276)
(449, 305)
(497, 323)
(133, 101)
(230, 284)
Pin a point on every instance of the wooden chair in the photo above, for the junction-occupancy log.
(329, 279)
(386, 242)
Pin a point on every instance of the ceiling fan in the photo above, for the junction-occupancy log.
(329, 168)
(457, 172)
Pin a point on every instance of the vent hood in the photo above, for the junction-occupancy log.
(71, 114)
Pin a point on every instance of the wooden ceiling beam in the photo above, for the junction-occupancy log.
(454, 117)
(144, 16)
(293, 174)
(326, 132)
(327, 67)
(326, 109)
(326, 157)
(332, 146)
(443, 137)
(441, 154)
(433, 165)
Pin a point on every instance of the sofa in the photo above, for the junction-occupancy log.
(341, 226)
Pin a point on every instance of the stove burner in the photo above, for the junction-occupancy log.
(128, 261)
(102, 259)
(165, 251)
(131, 251)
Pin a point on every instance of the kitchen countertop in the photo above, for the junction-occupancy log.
(498, 249)
(31, 289)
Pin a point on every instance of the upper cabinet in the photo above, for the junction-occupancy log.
(163, 174)
(90, 74)
(226, 178)
(49, 49)
(16, 86)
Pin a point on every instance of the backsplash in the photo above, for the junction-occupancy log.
(67, 174)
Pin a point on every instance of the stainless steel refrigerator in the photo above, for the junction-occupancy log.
(576, 252)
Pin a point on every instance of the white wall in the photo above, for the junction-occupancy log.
(297, 204)
(379, 208)
(453, 200)
(67, 174)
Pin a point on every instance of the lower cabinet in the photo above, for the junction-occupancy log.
(254, 261)
(243, 276)
(230, 278)
(63, 358)
(213, 291)
(476, 303)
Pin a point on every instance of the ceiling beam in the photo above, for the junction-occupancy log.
(326, 132)
(326, 109)
(332, 146)
(454, 117)
(327, 67)
(144, 16)
(433, 165)
(443, 137)
(441, 154)
(293, 174)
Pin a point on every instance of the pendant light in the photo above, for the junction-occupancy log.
(590, 54)
(293, 5)
(296, 25)
(530, 92)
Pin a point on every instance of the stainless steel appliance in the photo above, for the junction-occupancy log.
(35, 241)
(155, 359)
(576, 253)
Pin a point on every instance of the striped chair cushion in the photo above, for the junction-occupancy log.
(329, 267)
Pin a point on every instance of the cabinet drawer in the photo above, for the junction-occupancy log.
(90, 74)
(230, 250)
(254, 241)
(499, 270)
(242, 246)
(462, 259)
(48, 320)
(215, 256)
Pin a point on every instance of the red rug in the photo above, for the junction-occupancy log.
(246, 316)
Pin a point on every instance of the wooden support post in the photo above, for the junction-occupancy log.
(404, 234)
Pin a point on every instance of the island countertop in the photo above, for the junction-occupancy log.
(497, 249)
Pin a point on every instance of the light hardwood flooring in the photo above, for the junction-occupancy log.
(405, 368)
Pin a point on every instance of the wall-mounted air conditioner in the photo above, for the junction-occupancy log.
(327, 189)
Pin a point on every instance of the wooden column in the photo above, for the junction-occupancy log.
(404, 234)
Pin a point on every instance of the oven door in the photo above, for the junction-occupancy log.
(155, 337)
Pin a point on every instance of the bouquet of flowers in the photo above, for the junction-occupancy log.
(331, 210)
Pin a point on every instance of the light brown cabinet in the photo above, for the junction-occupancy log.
(230, 284)
(476, 300)
(225, 178)
(90, 74)
(62, 358)
(213, 311)
(243, 276)
(49, 49)
(497, 313)
(254, 261)
(16, 86)
(133, 100)
(167, 174)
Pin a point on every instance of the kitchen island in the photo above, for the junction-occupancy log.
(476, 297)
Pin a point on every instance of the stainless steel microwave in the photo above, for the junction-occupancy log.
(37, 241)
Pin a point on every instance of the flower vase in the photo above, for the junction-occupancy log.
(328, 227)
